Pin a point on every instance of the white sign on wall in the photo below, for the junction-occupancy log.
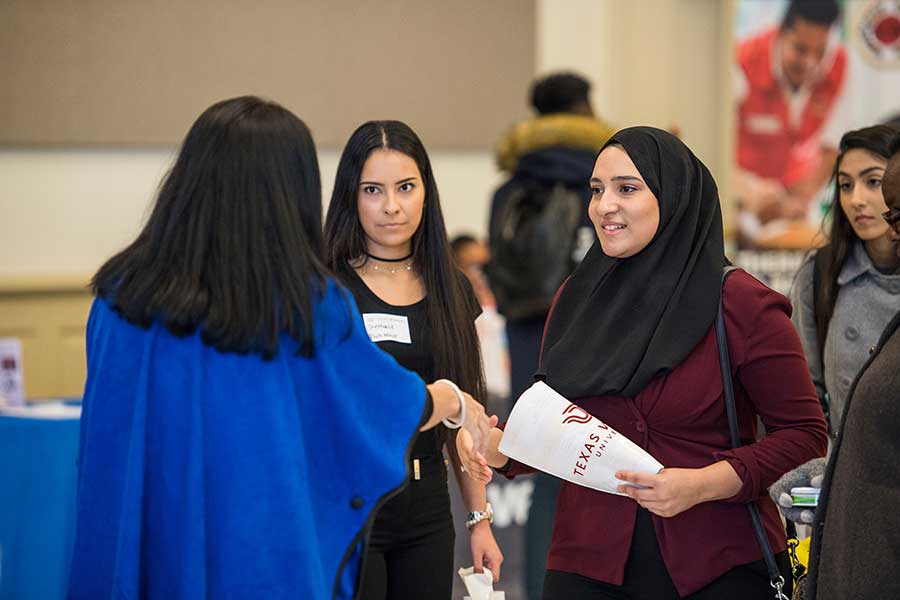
(12, 381)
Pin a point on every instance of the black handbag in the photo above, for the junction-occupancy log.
(776, 580)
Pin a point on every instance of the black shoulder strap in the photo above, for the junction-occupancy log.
(725, 366)
(775, 578)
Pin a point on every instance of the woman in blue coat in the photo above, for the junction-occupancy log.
(239, 429)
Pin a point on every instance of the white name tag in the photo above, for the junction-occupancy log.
(387, 328)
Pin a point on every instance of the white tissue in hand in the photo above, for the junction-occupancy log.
(480, 586)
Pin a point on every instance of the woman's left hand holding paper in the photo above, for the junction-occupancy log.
(673, 491)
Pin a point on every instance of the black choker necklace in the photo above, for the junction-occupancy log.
(390, 260)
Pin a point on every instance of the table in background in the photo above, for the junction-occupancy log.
(37, 501)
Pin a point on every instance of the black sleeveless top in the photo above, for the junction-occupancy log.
(405, 333)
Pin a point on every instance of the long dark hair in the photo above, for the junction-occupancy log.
(876, 140)
(234, 241)
(456, 351)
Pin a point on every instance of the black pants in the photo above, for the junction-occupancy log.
(410, 552)
(646, 577)
(539, 532)
(524, 341)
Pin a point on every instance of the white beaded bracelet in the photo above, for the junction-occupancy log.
(448, 422)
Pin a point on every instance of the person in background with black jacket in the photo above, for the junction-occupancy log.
(558, 146)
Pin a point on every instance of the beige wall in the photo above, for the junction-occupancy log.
(135, 73)
(657, 62)
(65, 210)
(50, 323)
(665, 63)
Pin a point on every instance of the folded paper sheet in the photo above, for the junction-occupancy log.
(480, 586)
(549, 433)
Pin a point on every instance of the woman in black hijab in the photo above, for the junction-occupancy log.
(666, 291)
(631, 339)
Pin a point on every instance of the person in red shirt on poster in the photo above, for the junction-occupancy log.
(789, 81)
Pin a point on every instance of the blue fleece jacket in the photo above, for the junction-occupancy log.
(211, 475)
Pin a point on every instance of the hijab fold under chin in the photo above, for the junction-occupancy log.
(621, 322)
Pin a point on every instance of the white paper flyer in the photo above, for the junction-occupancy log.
(549, 433)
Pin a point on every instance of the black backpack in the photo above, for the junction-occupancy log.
(532, 245)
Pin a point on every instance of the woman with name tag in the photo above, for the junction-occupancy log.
(632, 340)
(239, 429)
(386, 240)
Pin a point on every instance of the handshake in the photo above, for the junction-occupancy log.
(790, 500)
(459, 410)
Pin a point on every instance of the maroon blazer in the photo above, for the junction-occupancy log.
(680, 419)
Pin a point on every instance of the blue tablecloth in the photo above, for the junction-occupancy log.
(37, 506)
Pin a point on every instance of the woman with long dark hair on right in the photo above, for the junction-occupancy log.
(848, 291)
(844, 296)
(386, 241)
(239, 430)
(853, 546)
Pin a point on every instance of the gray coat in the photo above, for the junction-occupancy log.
(855, 548)
(866, 302)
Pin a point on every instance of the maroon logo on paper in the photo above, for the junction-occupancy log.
(595, 445)
(596, 440)
(576, 415)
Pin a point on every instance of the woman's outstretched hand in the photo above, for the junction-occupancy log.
(452, 403)
(477, 424)
(472, 460)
